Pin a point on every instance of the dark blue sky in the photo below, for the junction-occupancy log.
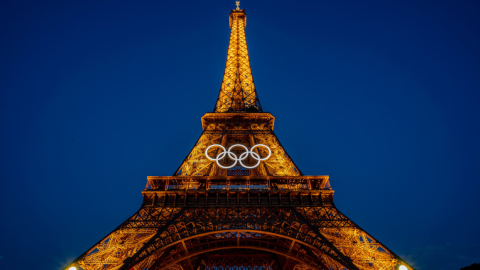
(383, 96)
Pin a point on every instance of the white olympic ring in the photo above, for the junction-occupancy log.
(234, 157)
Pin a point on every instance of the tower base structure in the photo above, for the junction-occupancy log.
(252, 222)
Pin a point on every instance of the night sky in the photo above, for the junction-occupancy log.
(382, 96)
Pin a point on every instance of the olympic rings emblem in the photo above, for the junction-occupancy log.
(234, 157)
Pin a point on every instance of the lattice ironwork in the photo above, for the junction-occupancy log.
(270, 217)
(239, 259)
(248, 129)
(313, 236)
(237, 92)
(238, 172)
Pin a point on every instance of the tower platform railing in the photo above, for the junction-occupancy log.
(245, 183)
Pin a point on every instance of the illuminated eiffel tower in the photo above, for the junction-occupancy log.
(238, 201)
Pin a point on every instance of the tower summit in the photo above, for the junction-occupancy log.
(237, 200)
(237, 92)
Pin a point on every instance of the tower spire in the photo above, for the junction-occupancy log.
(237, 92)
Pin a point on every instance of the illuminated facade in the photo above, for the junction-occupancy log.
(268, 217)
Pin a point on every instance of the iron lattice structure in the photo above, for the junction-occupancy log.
(270, 217)
(237, 92)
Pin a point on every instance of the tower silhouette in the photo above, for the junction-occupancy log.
(237, 200)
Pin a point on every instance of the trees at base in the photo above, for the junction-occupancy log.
(475, 266)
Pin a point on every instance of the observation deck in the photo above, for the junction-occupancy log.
(234, 191)
(238, 119)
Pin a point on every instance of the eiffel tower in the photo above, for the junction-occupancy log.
(238, 201)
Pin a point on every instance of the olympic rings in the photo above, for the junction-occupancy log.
(234, 157)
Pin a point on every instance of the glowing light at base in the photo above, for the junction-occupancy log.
(402, 267)
(72, 268)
